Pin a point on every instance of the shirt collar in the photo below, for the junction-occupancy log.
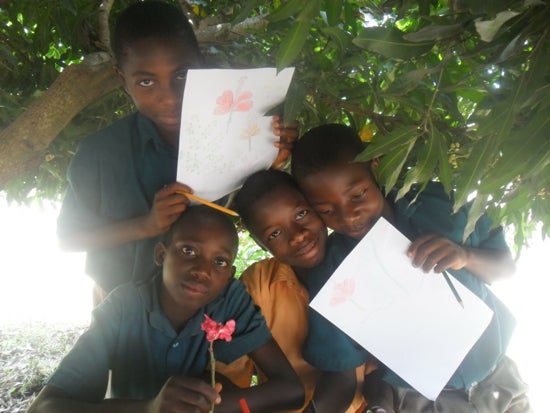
(148, 135)
(150, 295)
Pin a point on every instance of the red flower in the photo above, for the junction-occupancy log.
(217, 331)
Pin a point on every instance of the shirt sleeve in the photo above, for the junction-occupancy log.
(251, 331)
(84, 372)
(81, 203)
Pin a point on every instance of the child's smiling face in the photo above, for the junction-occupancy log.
(346, 197)
(197, 263)
(285, 224)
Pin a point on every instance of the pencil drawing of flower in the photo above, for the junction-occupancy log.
(227, 103)
(216, 331)
(343, 291)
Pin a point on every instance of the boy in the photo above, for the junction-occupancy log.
(122, 195)
(149, 336)
(282, 222)
(346, 196)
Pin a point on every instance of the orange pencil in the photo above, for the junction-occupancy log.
(244, 406)
(208, 203)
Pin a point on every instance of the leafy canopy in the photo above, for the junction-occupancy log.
(451, 90)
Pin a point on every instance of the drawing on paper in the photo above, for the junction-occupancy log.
(226, 103)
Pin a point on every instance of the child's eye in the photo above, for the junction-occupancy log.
(181, 75)
(302, 214)
(274, 235)
(221, 262)
(188, 251)
(146, 83)
(325, 211)
(359, 196)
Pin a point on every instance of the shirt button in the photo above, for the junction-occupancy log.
(175, 344)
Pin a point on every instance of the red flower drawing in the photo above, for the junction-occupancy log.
(343, 291)
(226, 102)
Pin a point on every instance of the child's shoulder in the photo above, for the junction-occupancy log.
(112, 138)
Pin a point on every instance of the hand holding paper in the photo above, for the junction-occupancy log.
(224, 134)
(409, 320)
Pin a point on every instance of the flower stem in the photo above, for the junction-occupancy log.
(212, 370)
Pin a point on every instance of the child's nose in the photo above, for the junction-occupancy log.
(201, 269)
(298, 236)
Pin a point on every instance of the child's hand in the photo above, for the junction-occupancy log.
(287, 136)
(432, 251)
(185, 394)
(168, 204)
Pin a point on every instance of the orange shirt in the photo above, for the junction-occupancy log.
(275, 288)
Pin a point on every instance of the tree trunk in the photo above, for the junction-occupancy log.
(23, 142)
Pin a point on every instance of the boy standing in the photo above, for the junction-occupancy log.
(122, 193)
(346, 196)
(149, 336)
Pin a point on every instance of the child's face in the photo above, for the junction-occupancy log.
(153, 73)
(196, 265)
(286, 225)
(346, 197)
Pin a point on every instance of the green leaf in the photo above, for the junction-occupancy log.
(390, 166)
(406, 82)
(288, 9)
(310, 11)
(339, 36)
(477, 209)
(389, 42)
(434, 32)
(473, 169)
(426, 162)
(386, 143)
(246, 11)
(292, 44)
(488, 29)
(445, 173)
(294, 102)
(333, 9)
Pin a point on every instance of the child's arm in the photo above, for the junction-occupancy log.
(334, 392)
(282, 390)
(432, 251)
(178, 395)
(167, 207)
(287, 136)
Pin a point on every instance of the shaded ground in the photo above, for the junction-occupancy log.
(29, 352)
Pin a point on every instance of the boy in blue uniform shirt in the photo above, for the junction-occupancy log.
(346, 196)
(122, 195)
(149, 336)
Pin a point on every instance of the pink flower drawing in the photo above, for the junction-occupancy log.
(226, 102)
(343, 291)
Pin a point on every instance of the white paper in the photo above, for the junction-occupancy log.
(224, 135)
(408, 319)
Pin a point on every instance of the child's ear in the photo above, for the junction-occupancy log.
(233, 271)
(159, 254)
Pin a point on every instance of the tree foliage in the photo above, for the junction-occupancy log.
(454, 90)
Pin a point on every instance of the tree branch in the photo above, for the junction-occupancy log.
(23, 142)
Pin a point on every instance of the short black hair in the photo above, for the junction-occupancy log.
(257, 186)
(151, 19)
(322, 146)
(202, 214)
